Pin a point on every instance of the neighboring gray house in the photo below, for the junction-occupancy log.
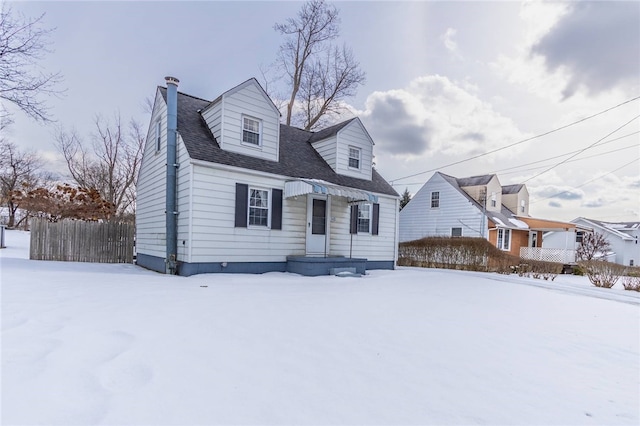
(244, 193)
(622, 237)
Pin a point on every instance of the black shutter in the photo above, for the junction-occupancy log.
(376, 219)
(276, 209)
(242, 197)
(353, 228)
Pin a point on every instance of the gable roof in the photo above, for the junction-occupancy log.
(298, 159)
(512, 189)
(504, 218)
(615, 228)
(249, 82)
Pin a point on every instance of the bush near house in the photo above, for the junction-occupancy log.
(470, 254)
(601, 273)
(631, 279)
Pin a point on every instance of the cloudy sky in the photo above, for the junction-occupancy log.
(447, 83)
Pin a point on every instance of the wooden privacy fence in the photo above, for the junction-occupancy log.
(79, 241)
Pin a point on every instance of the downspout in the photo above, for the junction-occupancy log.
(171, 210)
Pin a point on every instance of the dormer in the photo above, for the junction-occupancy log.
(516, 199)
(245, 120)
(484, 189)
(347, 148)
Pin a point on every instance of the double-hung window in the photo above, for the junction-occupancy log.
(493, 199)
(364, 218)
(504, 239)
(522, 206)
(354, 157)
(251, 130)
(258, 207)
(435, 199)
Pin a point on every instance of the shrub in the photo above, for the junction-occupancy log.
(601, 273)
(631, 279)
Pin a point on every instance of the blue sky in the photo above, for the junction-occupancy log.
(446, 81)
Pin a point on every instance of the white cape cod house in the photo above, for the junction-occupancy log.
(224, 187)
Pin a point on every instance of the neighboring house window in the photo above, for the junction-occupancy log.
(258, 207)
(354, 157)
(504, 239)
(631, 262)
(579, 236)
(522, 206)
(251, 130)
(158, 134)
(493, 199)
(456, 232)
(435, 199)
(364, 218)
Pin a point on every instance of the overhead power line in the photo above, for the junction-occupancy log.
(589, 181)
(392, 181)
(582, 150)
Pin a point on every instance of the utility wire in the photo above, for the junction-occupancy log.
(587, 182)
(571, 161)
(582, 150)
(519, 142)
(519, 168)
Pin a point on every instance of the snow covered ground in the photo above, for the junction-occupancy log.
(115, 344)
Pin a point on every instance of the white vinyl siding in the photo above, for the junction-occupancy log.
(225, 119)
(381, 247)
(151, 188)
(418, 219)
(328, 150)
(353, 135)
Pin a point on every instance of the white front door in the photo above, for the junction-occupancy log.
(317, 225)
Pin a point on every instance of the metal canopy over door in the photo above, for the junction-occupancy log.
(317, 225)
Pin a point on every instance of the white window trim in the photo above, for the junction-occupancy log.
(359, 151)
(242, 130)
(502, 246)
(456, 227)
(370, 218)
(249, 207)
(432, 200)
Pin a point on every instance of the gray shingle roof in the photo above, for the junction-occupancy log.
(512, 189)
(298, 159)
(475, 180)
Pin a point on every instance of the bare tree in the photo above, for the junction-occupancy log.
(18, 170)
(111, 165)
(592, 245)
(23, 43)
(320, 75)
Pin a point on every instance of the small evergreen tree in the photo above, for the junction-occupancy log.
(406, 197)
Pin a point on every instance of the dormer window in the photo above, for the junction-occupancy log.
(354, 157)
(522, 206)
(493, 199)
(251, 131)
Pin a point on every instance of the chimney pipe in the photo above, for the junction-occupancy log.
(171, 207)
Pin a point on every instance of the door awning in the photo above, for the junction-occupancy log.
(294, 188)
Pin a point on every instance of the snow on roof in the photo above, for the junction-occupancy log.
(518, 223)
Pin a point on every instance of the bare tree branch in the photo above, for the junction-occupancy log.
(112, 166)
(23, 43)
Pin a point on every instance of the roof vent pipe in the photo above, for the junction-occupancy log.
(171, 261)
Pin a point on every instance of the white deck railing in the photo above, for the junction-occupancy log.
(548, 254)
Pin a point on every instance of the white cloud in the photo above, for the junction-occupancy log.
(575, 49)
(449, 42)
(435, 115)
